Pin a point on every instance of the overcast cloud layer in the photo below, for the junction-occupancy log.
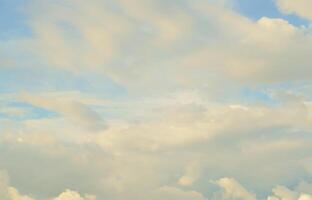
(155, 100)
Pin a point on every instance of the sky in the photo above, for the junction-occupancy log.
(155, 99)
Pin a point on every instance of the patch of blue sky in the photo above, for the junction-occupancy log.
(13, 20)
(277, 93)
(256, 9)
(256, 95)
(100, 84)
(301, 89)
(23, 111)
(38, 79)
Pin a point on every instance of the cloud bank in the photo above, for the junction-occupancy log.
(155, 99)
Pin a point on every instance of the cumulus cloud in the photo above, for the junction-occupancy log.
(233, 190)
(201, 100)
(172, 193)
(284, 193)
(4, 186)
(15, 195)
(79, 113)
(72, 195)
(305, 197)
(301, 7)
(199, 127)
(7, 192)
(147, 43)
(214, 121)
(191, 174)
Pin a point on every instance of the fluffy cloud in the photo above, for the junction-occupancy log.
(72, 195)
(4, 186)
(305, 197)
(284, 193)
(172, 193)
(79, 113)
(15, 195)
(301, 7)
(10, 193)
(184, 117)
(7, 192)
(192, 173)
(233, 190)
(177, 144)
(142, 44)
(230, 190)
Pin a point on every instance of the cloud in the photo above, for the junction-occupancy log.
(10, 193)
(15, 195)
(272, 198)
(185, 116)
(301, 7)
(264, 47)
(192, 173)
(284, 193)
(178, 144)
(305, 197)
(4, 186)
(80, 114)
(233, 190)
(7, 192)
(72, 195)
(142, 44)
(186, 127)
(172, 193)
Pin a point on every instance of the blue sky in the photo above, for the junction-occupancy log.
(13, 19)
(259, 8)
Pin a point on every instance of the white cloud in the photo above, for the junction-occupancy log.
(145, 45)
(285, 193)
(191, 174)
(4, 186)
(79, 113)
(10, 193)
(194, 125)
(233, 190)
(15, 195)
(72, 195)
(7, 192)
(273, 198)
(172, 193)
(299, 7)
(305, 197)
(174, 127)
